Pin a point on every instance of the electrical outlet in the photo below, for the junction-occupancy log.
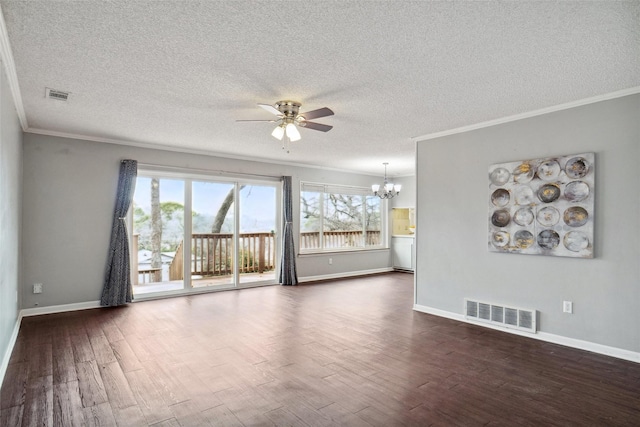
(330, 261)
(37, 288)
(567, 307)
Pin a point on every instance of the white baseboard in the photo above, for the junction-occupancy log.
(619, 353)
(59, 308)
(35, 312)
(7, 353)
(344, 275)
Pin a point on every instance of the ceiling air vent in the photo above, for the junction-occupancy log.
(57, 94)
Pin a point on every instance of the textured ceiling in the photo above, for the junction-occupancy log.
(178, 74)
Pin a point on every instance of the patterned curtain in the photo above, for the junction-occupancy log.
(288, 274)
(117, 288)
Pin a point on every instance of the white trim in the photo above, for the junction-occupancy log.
(59, 308)
(332, 251)
(619, 353)
(12, 344)
(163, 171)
(344, 275)
(529, 114)
(6, 55)
(447, 314)
(200, 152)
(35, 312)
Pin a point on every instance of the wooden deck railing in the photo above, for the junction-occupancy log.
(339, 239)
(212, 253)
(176, 270)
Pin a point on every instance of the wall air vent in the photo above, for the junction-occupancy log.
(56, 94)
(500, 315)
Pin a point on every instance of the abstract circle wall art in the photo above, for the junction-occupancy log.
(523, 216)
(548, 216)
(543, 206)
(576, 191)
(500, 197)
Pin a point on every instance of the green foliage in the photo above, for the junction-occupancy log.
(172, 225)
(140, 217)
(246, 257)
(169, 208)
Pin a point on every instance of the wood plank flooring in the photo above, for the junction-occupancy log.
(340, 353)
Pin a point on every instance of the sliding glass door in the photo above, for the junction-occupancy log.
(158, 231)
(194, 234)
(213, 234)
(257, 240)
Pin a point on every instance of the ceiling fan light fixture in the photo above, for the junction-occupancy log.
(278, 132)
(292, 132)
(289, 118)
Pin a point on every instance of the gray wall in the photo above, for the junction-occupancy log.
(10, 188)
(69, 194)
(453, 260)
(407, 197)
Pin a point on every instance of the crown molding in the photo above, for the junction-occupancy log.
(529, 114)
(6, 55)
(186, 150)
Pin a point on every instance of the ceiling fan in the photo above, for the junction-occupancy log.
(289, 117)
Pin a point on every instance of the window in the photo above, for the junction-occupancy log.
(336, 217)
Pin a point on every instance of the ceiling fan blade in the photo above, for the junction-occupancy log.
(315, 114)
(264, 121)
(270, 108)
(316, 126)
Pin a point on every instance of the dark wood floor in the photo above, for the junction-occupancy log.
(349, 353)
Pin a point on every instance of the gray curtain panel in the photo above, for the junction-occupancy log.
(117, 288)
(288, 274)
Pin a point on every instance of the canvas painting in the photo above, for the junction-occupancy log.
(543, 206)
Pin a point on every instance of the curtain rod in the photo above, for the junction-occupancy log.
(206, 171)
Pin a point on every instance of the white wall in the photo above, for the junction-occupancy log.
(10, 189)
(69, 195)
(453, 260)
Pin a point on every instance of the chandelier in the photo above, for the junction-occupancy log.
(389, 190)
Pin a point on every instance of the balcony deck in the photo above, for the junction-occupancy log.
(219, 281)
(211, 259)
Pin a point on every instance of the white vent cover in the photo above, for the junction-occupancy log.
(500, 315)
(56, 94)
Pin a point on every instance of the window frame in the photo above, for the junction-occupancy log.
(188, 177)
(349, 190)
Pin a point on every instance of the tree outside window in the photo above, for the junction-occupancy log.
(338, 217)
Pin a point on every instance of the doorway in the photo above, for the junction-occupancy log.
(197, 234)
